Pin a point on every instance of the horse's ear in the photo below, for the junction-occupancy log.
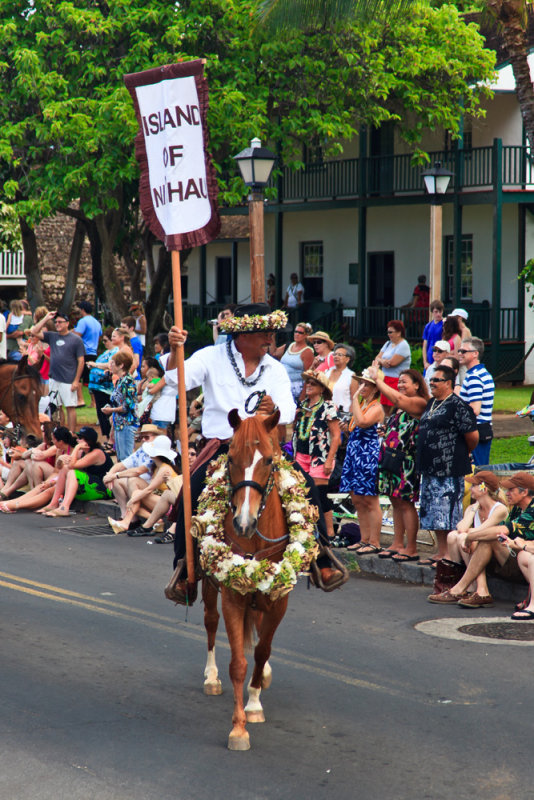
(272, 421)
(234, 419)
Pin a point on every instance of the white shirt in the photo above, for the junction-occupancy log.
(3, 343)
(292, 292)
(341, 389)
(211, 369)
(164, 408)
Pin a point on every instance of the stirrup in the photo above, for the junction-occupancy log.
(315, 571)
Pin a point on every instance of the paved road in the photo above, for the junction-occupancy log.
(102, 689)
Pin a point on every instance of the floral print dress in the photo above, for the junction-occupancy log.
(312, 437)
(401, 434)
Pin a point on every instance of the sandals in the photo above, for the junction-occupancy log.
(387, 553)
(523, 616)
(368, 550)
(108, 448)
(400, 558)
(431, 561)
(165, 538)
(116, 526)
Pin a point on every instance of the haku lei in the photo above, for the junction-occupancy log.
(276, 320)
(251, 575)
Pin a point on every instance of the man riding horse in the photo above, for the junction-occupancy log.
(243, 376)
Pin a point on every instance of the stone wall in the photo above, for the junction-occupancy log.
(54, 239)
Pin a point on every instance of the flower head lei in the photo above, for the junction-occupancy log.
(250, 323)
(251, 575)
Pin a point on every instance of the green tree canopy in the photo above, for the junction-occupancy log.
(68, 126)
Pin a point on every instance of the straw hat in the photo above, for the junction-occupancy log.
(321, 379)
(366, 377)
(147, 429)
(322, 336)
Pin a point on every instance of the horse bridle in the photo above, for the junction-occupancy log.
(263, 491)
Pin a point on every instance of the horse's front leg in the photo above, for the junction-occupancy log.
(212, 684)
(234, 609)
(261, 676)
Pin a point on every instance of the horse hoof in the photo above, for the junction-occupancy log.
(241, 742)
(255, 716)
(213, 688)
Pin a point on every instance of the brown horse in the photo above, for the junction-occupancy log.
(20, 391)
(254, 508)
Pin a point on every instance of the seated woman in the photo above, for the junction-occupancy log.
(82, 477)
(160, 494)
(37, 498)
(18, 452)
(488, 509)
(39, 461)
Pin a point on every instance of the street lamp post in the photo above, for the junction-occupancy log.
(256, 164)
(437, 181)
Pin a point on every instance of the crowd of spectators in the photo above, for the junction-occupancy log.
(387, 432)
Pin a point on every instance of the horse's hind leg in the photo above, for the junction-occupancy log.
(212, 684)
(261, 676)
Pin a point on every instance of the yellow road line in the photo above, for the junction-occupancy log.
(166, 624)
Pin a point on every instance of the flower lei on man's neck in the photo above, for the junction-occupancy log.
(251, 575)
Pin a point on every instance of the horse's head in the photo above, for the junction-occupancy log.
(20, 393)
(250, 467)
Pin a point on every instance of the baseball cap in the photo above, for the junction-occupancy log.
(521, 480)
(89, 434)
(459, 312)
(484, 476)
(441, 345)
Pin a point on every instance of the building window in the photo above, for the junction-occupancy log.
(466, 280)
(311, 263)
(467, 138)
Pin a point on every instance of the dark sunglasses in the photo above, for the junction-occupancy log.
(462, 351)
(438, 380)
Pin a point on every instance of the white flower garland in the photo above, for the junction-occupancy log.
(250, 575)
(276, 320)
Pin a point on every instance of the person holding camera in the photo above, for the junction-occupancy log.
(496, 547)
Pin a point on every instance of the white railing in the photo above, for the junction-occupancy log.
(12, 265)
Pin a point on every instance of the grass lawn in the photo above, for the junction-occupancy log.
(511, 398)
(87, 415)
(516, 448)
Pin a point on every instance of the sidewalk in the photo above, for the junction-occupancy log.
(369, 565)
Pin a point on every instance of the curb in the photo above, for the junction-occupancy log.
(415, 574)
(368, 565)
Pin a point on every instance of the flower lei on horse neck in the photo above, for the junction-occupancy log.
(250, 575)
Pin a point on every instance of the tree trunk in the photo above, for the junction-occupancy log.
(513, 19)
(158, 298)
(34, 287)
(73, 267)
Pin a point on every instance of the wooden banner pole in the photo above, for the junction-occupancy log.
(182, 411)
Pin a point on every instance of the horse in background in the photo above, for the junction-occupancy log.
(20, 392)
(254, 504)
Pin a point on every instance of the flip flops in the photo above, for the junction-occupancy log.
(523, 616)
(400, 558)
(368, 550)
(387, 553)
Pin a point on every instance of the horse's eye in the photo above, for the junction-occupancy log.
(268, 461)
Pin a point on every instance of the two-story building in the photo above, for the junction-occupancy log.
(356, 230)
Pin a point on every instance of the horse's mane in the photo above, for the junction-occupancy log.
(252, 429)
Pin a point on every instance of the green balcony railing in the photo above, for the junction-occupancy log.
(396, 174)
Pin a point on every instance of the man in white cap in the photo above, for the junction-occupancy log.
(440, 350)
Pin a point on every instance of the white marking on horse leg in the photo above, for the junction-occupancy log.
(212, 684)
(254, 708)
(244, 515)
(266, 676)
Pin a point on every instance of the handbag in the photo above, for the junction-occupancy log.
(392, 460)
